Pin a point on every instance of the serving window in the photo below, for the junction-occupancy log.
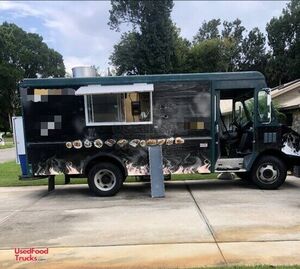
(122, 108)
(117, 104)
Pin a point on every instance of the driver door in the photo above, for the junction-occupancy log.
(227, 135)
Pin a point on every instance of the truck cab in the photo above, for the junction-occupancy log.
(250, 139)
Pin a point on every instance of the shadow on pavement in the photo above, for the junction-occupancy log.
(138, 190)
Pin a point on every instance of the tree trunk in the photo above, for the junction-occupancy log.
(10, 122)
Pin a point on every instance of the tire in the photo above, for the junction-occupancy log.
(244, 175)
(269, 172)
(105, 179)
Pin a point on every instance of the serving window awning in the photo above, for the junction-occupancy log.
(105, 89)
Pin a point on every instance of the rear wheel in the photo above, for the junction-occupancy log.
(105, 179)
(269, 172)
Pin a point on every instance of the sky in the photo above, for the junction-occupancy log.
(79, 31)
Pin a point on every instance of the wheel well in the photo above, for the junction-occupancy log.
(107, 159)
(277, 153)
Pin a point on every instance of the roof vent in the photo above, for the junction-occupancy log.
(84, 71)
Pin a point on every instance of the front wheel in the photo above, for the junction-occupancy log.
(269, 172)
(105, 179)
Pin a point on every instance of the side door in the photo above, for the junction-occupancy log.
(216, 127)
(19, 138)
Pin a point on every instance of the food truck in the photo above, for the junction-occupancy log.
(101, 128)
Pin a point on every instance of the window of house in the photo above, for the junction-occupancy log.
(120, 108)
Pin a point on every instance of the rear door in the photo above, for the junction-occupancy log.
(19, 138)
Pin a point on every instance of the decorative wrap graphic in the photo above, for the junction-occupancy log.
(291, 144)
(182, 158)
(55, 166)
(123, 142)
(60, 142)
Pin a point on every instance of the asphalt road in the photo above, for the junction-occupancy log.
(204, 223)
(7, 155)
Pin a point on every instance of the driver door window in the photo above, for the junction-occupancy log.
(239, 113)
(226, 113)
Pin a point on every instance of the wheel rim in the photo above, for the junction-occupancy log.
(267, 173)
(105, 180)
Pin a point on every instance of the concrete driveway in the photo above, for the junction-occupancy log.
(7, 155)
(204, 223)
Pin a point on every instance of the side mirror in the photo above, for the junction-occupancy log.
(264, 106)
(269, 104)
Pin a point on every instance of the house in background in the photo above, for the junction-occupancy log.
(287, 98)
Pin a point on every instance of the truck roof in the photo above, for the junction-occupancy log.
(118, 80)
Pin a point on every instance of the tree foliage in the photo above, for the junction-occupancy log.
(206, 56)
(154, 40)
(126, 54)
(208, 30)
(220, 52)
(284, 41)
(154, 44)
(254, 51)
(22, 55)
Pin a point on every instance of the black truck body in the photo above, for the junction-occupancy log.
(72, 125)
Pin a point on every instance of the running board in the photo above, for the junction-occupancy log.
(230, 165)
(230, 170)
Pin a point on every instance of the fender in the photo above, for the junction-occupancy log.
(249, 160)
(104, 157)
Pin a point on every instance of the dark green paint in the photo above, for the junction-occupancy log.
(231, 78)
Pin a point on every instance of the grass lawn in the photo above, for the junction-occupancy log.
(9, 143)
(9, 176)
(10, 171)
(7, 146)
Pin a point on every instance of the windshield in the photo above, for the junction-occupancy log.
(249, 103)
(244, 111)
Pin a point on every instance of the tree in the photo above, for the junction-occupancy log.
(284, 41)
(28, 53)
(152, 26)
(208, 30)
(232, 35)
(182, 49)
(126, 54)
(22, 55)
(233, 30)
(253, 51)
(9, 102)
(206, 56)
(154, 45)
(224, 49)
